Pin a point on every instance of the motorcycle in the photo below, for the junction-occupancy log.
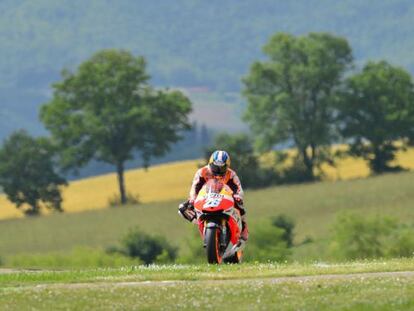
(219, 222)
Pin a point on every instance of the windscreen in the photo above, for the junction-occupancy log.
(214, 186)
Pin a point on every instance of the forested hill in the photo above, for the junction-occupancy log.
(186, 42)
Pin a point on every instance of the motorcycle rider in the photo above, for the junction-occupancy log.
(217, 167)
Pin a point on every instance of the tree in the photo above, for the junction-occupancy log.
(243, 159)
(376, 110)
(107, 111)
(28, 173)
(291, 95)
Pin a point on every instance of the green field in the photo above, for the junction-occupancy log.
(309, 281)
(349, 286)
(313, 207)
(385, 293)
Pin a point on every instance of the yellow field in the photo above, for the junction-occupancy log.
(170, 182)
(159, 183)
(350, 168)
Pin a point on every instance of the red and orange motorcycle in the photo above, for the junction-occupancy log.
(219, 222)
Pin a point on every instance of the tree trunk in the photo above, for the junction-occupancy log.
(375, 162)
(121, 182)
(308, 164)
(379, 164)
(34, 209)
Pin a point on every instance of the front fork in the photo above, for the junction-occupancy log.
(223, 230)
(223, 235)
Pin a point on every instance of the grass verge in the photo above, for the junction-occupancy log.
(247, 287)
(341, 294)
(312, 206)
(199, 272)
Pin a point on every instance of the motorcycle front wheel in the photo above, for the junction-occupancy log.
(212, 239)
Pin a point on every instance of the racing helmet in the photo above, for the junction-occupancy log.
(219, 162)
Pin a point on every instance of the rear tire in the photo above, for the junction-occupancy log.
(214, 255)
(235, 259)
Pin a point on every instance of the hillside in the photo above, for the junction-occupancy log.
(160, 183)
(312, 206)
(190, 43)
(171, 181)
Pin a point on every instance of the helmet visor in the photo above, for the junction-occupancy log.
(218, 170)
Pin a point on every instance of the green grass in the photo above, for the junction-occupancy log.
(355, 294)
(239, 287)
(139, 273)
(313, 206)
(100, 228)
(79, 257)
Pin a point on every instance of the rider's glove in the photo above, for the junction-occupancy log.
(239, 204)
(186, 210)
(238, 199)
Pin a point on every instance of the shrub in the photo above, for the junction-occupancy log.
(357, 237)
(149, 249)
(287, 225)
(194, 252)
(266, 243)
(401, 242)
(296, 174)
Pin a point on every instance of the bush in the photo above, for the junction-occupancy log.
(149, 249)
(266, 243)
(296, 174)
(401, 242)
(194, 252)
(357, 237)
(287, 168)
(287, 225)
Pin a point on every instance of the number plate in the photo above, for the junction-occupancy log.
(213, 200)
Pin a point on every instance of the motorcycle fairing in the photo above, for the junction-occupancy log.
(215, 199)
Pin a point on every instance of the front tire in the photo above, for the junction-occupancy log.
(214, 255)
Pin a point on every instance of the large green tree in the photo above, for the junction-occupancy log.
(107, 111)
(377, 113)
(28, 173)
(291, 94)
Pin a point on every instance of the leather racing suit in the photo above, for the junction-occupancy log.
(232, 180)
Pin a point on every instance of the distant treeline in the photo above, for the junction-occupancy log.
(186, 43)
